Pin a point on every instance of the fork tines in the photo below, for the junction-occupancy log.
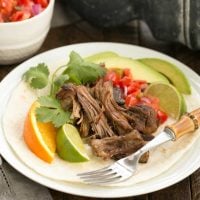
(111, 174)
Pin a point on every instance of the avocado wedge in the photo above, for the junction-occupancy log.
(184, 105)
(172, 72)
(101, 55)
(139, 70)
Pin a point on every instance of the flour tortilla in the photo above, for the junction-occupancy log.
(161, 158)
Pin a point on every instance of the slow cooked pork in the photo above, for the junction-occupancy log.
(69, 100)
(104, 94)
(143, 118)
(117, 147)
(114, 131)
(94, 113)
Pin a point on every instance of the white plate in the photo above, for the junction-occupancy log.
(186, 165)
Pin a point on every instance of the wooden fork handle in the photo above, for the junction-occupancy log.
(188, 123)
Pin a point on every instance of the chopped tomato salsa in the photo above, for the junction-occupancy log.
(133, 91)
(18, 10)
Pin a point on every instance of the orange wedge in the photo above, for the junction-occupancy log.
(40, 137)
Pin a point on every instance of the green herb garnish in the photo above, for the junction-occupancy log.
(57, 83)
(50, 110)
(81, 71)
(77, 71)
(37, 77)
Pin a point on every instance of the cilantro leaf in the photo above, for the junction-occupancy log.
(57, 83)
(50, 110)
(81, 71)
(37, 77)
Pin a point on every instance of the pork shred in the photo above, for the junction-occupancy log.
(113, 130)
(104, 93)
(94, 113)
(117, 147)
(143, 118)
(69, 100)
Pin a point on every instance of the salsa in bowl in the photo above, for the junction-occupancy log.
(20, 36)
(19, 10)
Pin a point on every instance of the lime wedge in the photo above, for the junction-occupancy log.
(171, 101)
(69, 144)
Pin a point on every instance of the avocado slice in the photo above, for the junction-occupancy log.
(172, 72)
(139, 70)
(183, 105)
(101, 55)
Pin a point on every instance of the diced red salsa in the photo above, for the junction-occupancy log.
(18, 10)
(133, 91)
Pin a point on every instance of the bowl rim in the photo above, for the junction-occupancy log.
(50, 5)
(15, 47)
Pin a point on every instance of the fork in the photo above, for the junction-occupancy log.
(126, 167)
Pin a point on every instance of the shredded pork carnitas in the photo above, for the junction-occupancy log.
(113, 130)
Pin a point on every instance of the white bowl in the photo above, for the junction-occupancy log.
(20, 40)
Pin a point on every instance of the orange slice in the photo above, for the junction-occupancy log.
(40, 137)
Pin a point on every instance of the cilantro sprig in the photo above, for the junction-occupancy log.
(81, 71)
(77, 71)
(50, 110)
(37, 77)
(58, 81)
